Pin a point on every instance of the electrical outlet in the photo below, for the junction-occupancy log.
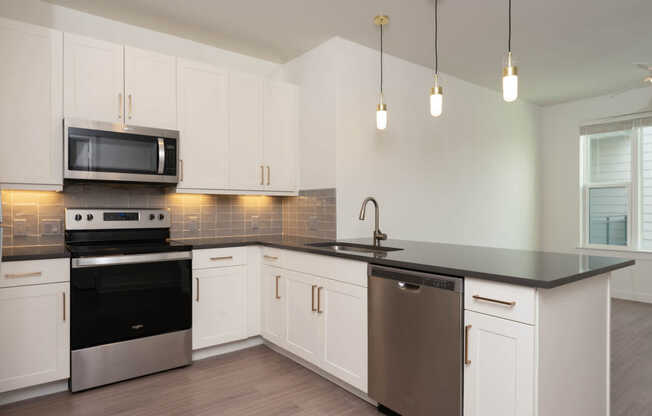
(313, 224)
(254, 222)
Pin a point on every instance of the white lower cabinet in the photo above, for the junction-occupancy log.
(273, 304)
(35, 328)
(219, 311)
(499, 367)
(304, 335)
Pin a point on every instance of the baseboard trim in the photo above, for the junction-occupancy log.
(357, 392)
(33, 391)
(226, 348)
(634, 297)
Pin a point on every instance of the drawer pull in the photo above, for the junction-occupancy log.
(312, 306)
(466, 344)
(63, 295)
(197, 298)
(500, 302)
(268, 257)
(19, 275)
(277, 279)
(222, 258)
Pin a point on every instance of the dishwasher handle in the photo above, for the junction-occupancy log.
(410, 280)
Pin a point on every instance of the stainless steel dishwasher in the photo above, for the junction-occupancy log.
(415, 341)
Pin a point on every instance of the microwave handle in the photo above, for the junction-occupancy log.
(161, 156)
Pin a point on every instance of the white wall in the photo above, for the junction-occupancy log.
(468, 177)
(69, 20)
(559, 152)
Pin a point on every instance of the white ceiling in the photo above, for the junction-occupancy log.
(565, 49)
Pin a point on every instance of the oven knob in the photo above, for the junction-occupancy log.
(161, 217)
(78, 217)
(89, 217)
(152, 217)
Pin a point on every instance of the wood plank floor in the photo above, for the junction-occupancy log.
(256, 381)
(631, 358)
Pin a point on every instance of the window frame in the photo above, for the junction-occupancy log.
(632, 187)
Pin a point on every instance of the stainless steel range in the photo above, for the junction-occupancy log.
(131, 295)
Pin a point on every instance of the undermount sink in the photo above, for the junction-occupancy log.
(355, 248)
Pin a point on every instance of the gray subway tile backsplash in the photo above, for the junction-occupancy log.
(37, 218)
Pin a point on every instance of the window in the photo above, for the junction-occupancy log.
(616, 184)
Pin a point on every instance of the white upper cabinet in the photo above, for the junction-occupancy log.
(280, 137)
(93, 79)
(246, 170)
(203, 117)
(150, 89)
(31, 109)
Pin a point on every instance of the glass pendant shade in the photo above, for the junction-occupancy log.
(436, 101)
(510, 80)
(381, 116)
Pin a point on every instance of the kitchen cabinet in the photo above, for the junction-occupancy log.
(304, 325)
(31, 107)
(93, 79)
(150, 88)
(343, 310)
(203, 121)
(246, 169)
(35, 327)
(499, 371)
(219, 310)
(273, 304)
(280, 136)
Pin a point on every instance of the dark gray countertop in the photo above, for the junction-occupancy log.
(34, 253)
(520, 267)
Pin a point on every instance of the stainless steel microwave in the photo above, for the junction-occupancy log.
(96, 150)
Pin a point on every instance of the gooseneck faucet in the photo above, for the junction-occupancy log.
(378, 235)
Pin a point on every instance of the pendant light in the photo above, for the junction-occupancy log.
(436, 97)
(381, 108)
(510, 71)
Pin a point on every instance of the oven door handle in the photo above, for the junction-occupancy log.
(82, 262)
(161, 156)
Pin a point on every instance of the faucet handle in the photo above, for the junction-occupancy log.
(378, 235)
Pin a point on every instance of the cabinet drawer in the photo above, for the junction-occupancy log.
(503, 300)
(273, 256)
(219, 257)
(31, 272)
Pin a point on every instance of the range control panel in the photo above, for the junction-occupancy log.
(113, 219)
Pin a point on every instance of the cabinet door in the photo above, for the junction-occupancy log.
(499, 380)
(35, 347)
(150, 88)
(31, 109)
(219, 310)
(280, 136)
(343, 309)
(303, 323)
(245, 131)
(203, 115)
(273, 298)
(93, 79)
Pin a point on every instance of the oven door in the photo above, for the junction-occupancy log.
(105, 151)
(118, 298)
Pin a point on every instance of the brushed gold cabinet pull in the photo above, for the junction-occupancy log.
(319, 299)
(197, 298)
(63, 295)
(120, 107)
(180, 170)
(313, 299)
(268, 175)
(268, 257)
(20, 275)
(277, 295)
(262, 175)
(130, 106)
(501, 302)
(466, 344)
(222, 258)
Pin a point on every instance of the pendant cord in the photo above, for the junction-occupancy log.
(381, 60)
(436, 37)
(509, 38)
